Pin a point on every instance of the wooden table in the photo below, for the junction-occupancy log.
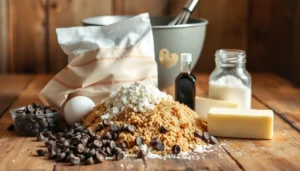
(269, 92)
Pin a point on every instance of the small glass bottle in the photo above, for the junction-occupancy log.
(230, 81)
(185, 84)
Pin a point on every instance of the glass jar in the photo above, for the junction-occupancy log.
(230, 81)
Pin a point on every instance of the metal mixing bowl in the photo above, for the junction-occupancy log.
(186, 38)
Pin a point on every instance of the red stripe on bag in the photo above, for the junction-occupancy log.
(112, 58)
(103, 82)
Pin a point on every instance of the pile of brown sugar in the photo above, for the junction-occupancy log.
(180, 121)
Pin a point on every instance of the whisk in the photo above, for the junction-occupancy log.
(183, 17)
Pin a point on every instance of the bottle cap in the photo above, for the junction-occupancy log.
(186, 57)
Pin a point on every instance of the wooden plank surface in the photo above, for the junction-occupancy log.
(279, 95)
(11, 87)
(27, 36)
(280, 153)
(296, 55)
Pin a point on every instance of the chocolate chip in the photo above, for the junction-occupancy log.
(139, 141)
(160, 146)
(122, 145)
(49, 143)
(206, 137)
(61, 156)
(80, 148)
(163, 129)
(35, 131)
(114, 127)
(198, 134)
(11, 127)
(117, 150)
(141, 154)
(30, 108)
(50, 120)
(81, 157)
(40, 137)
(175, 149)
(106, 123)
(89, 161)
(75, 160)
(99, 128)
(91, 133)
(35, 125)
(108, 151)
(154, 141)
(66, 143)
(114, 136)
(112, 144)
(77, 124)
(214, 140)
(28, 127)
(102, 152)
(41, 152)
(97, 143)
(36, 105)
(124, 127)
(51, 137)
(131, 128)
(79, 129)
(105, 142)
(47, 111)
(119, 156)
(107, 136)
(52, 154)
(99, 157)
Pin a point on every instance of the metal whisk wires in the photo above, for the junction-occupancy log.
(183, 17)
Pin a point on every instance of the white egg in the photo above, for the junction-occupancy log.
(76, 108)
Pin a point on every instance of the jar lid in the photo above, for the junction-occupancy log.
(186, 57)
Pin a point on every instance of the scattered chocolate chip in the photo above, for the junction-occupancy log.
(99, 128)
(163, 129)
(119, 156)
(139, 141)
(49, 143)
(175, 149)
(214, 140)
(108, 151)
(124, 127)
(89, 161)
(141, 154)
(36, 125)
(154, 141)
(198, 134)
(41, 152)
(112, 144)
(122, 145)
(114, 136)
(107, 136)
(75, 160)
(51, 137)
(117, 150)
(66, 143)
(114, 127)
(40, 137)
(206, 137)
(36, 105)
(47, 111)
(61, 156)
(91, 133)
(99, 157)
(79, 129)
(80, 148)
(160, 146)
(106, 123)
(30, 108)
(131, 128)
(77, 124)
(92, 152)
(103, 153)
(81, 157)
(11, 127)
(97, 143)
(52, 154)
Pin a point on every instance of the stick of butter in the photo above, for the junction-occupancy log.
(240, 123)
(202, 106)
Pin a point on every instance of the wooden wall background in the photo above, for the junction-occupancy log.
(269, 30)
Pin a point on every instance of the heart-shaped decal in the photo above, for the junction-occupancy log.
(166, 59)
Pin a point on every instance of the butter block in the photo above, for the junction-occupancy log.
(240, 123)
(202, 105)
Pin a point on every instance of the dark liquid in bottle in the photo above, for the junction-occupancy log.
(185, 89)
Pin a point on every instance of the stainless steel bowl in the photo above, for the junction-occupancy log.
(170, 42)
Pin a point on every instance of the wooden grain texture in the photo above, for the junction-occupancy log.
(280, 153)
(66, 13)
(279, 95)
(153, 7)
(3, 36)
(227, 28)
(13, 86)
(27, 34)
